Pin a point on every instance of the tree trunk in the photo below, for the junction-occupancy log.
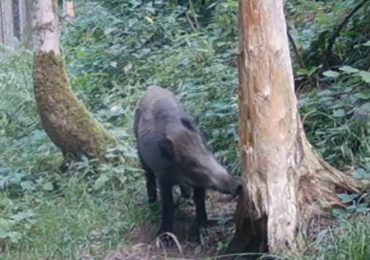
(25, 21)
(1, 23)
(65, 119)
(69, 9)
(7, 25)
(286, 183)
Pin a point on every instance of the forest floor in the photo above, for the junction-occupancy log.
(145, 245)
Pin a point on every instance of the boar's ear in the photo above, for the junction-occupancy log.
(188, 123)
(166, 148)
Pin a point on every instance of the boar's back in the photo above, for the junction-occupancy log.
(155, 112)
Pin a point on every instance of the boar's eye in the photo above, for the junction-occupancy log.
(190, 164)
(187, 122)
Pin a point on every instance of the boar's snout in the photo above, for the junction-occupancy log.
(233, 186)
(221, 180)
(227, 183)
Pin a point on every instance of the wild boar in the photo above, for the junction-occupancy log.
(173, 151)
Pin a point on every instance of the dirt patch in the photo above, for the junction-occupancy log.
(144, 245)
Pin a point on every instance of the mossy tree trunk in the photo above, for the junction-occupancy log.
(286, 183)
(65, 119)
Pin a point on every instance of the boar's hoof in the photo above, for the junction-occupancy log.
(166, 239)
(198, 234)
(203, 235)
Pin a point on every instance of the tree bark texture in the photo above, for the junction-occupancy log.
(65, 119)
(25, 21)
(285, 182)
(7, 25)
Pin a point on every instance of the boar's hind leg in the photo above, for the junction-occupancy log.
(151, 185)
(200, 208)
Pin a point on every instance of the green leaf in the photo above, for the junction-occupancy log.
(348, 69)
(26, 214)
(340, 213)
(365, 76)
(345, 198)
(13, 236)
(367, 44)
(331, 74)
(361, 174)
(99, 183)
(28, 185)
(362, 208)
(339, 113)
(364, 95)
(149, 19)
(48, 186)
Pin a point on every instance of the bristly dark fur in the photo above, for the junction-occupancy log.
(173, 151)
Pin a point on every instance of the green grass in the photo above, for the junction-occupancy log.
(75, 219)
(349, 240)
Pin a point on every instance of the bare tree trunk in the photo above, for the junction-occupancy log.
(7, 25)
(285, 182)
(25, 24)
(1, 23)
(65, 119)
(27, 28)
(69, 9)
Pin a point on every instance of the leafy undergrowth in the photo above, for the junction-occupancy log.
(46, 214)
(101, 211)
(348, 239)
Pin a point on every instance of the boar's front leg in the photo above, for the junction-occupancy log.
(151, 185)
(185, 191)
(201, 214)
(167, 212)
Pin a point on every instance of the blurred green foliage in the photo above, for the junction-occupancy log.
(152, 42)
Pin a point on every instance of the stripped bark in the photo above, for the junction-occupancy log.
(286, 183)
